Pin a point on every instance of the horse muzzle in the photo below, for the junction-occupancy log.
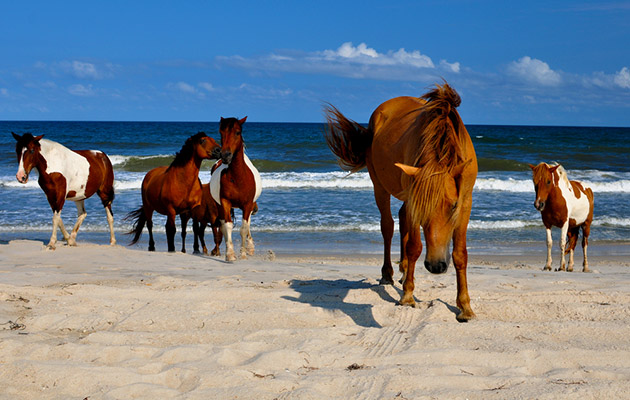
(216, 153)
(226, 157)
(21, 177)
(436, 267)
(540, 205)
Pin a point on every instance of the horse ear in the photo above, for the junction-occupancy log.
(16, 137)
(554, 168)
(221, 119)
(408, 169)
(459, 168)
(242, 121)
(532, 166)
(38, 138)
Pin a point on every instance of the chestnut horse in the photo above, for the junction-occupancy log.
(565, 204)
(419, 151)
(207, 213)
(173, 190)
(66, 174)
(236, 183)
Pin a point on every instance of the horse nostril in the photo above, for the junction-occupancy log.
(439, 267)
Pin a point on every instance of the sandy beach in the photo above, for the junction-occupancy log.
(101, 322)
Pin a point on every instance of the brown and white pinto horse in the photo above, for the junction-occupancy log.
(419, 151)
(565, 204)
(66, 174)
(236, 183)
(173, 190)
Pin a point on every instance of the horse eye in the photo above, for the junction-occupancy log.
(548, 182)
(203, 141)
(31, 151)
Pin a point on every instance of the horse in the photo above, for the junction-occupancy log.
(565, 204)
(66, 174)
(236, 183)
(207, 213)
(419, 151)
(173, 190)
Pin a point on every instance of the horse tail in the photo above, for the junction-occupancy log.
(139, 221)
(348, 140)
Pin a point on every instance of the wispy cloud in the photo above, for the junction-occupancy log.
(81, 90)
(622, 78)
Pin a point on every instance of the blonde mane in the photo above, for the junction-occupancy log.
(436, 149)
(540, 173)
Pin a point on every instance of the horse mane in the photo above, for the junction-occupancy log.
(186, 152)
(540, 173)
(227, 123)
(436, 149)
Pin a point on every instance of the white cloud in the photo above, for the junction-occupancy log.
(362, 54)
(534, 71)
(622, 78)
(454, 67)
(206, 86)
(85, 70)
(81, 90)
(185, 87)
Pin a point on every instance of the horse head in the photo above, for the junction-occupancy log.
(27, 149)
(231, 137)
(545, 178)
(437, 213)
(207, 148)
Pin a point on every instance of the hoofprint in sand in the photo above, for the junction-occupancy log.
(103, 322)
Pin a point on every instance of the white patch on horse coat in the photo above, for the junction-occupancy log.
(73, 166)
(215, 180)
(577, 209)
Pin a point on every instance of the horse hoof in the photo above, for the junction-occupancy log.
(466, 316)
(386, 281)
(407, 301)
(215, 253)
(230, 258)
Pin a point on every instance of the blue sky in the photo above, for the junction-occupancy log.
(525, 62)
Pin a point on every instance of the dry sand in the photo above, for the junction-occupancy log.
(101, 322)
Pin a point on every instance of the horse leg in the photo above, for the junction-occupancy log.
(404, 238)
(170, 232)
(413, 248)
(382, 199)
(226, 230)
(184, 220)
(53, 238)
(218, 237)
(196, 238)
(110, 222)
(460, 260)
(149, 217)
(81, 214)
(247, 242)
(563, 244)
(586, 231)
(549, 244)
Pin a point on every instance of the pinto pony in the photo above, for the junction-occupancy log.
(419, 151)
(565, 204)
(66, 174)
(173, 190)
(235, 183)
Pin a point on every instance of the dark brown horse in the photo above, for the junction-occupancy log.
(419, 151)
(66, 174)
(207, 213)
(173, 190)
(235, 184)
(565, 204)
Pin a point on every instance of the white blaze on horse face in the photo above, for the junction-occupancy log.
(73, 166)
(21, 174)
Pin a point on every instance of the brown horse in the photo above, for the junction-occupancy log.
(173, 190)
(207, 213)
(236, 183)
(66, 174)
(419, 151)
(565, 204)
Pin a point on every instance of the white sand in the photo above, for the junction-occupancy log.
(102, 322)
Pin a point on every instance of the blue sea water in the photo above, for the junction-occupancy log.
(308, 204)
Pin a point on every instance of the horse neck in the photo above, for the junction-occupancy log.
(188, 173)
(238, 158)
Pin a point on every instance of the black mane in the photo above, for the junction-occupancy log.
(186, 152)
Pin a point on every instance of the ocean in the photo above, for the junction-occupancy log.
(308, 204)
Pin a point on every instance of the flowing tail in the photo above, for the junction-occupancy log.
(139, 221)
(348, 140)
